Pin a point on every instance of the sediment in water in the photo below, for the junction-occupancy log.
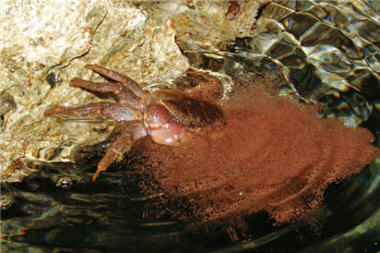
(273, 154)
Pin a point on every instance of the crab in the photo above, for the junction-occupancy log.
(168, 116)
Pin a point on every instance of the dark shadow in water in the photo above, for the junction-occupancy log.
(66, 212)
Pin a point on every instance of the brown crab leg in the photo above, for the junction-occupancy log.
(81, 111)
(113, 153)
(124, 95)
(121, 113)
(109, 110)
(121, 145)
(125, 80)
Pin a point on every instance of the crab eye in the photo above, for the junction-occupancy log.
(156, 116)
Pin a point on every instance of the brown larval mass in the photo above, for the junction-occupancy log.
(273, 154)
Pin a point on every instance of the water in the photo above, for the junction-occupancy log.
(112, 216)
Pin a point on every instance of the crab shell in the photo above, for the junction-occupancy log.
(171, 113)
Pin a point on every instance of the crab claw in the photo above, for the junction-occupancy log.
(170, 134)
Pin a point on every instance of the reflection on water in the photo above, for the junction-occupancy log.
(328, 49)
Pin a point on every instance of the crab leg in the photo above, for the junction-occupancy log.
(125, 80)
(121, 113)
(124, 95)
(81, 111)
(121, 145)
(109, 110)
